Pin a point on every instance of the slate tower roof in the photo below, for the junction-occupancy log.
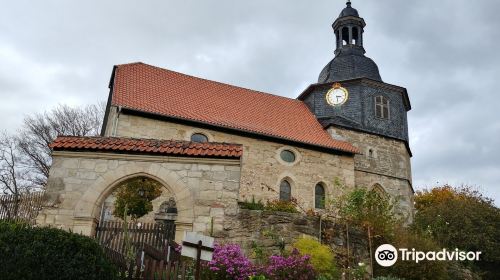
(350, 61)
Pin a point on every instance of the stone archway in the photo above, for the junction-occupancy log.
(87, 209)
(107, 208)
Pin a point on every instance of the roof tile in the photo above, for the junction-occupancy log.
(147, 146)
(150, 89)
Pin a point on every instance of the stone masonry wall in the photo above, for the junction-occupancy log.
(267, 229)
(80, 182)
(261, 166)
(388, 164)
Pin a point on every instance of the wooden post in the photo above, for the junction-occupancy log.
(198, 260)
(347, 243)
(371, 255)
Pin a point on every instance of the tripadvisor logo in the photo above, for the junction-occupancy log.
(387, 255)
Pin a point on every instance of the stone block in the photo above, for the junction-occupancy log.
(201, 210)
(101, 167)
(204, 167)
(231, 186)
(71, 163)
(88, 164)
(195, 174)
(218, 168)
(232, 168)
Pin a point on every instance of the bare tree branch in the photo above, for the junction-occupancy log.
(39, 130)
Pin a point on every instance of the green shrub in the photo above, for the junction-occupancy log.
(281, 206)
(252, 205)
(48, 253)
(322, 258)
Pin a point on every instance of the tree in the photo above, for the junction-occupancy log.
(39, 130)
(134, 197)
(14, 179)
(461, 218)
(25, 158)
(370, 211)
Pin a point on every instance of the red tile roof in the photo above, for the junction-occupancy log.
(146, 88)
(147, 146)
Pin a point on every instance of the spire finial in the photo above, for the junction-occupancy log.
(348, 3)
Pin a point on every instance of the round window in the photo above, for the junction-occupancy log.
(287, 156)
(198, 137)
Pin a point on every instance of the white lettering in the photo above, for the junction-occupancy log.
(404, 251)
(420, 256)
(441, 255)
(471, 256)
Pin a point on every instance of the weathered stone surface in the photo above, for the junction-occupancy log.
(262, 170)
(73, 191)
(267, 229)
(384, 162)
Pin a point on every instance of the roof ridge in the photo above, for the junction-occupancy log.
(211, 81)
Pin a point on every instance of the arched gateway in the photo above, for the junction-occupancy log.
(86, 171)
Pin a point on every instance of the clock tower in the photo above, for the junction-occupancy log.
(352, 103)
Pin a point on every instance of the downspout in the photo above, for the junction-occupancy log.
(115, 125)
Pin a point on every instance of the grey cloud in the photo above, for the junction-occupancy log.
(443, 52)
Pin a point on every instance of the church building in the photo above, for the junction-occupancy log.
(212, 145)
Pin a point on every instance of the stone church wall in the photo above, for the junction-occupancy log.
(80, 182)
(383, 161)
(261, 169)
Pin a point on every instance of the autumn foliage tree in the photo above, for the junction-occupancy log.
(461, 218)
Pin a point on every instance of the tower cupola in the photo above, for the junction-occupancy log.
(350, 61)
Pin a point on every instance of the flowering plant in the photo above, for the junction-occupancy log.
(294, 266)
(282, 205)
(228, 263)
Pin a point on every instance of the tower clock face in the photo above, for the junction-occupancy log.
(337, 96)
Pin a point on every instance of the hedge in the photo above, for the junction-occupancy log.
(48, 253)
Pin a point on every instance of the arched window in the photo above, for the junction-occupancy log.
(199, 137)
(345, 36)
(354, 36)
(319, 197)
(285, 191)
(381, 107)
(380, 191)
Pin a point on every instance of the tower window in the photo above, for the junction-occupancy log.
(285, 191)
(319, 197)
(199, 137)
(345, 36)
(355, 34)
(381, 107)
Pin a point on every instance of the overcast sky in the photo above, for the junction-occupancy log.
(446, 53)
